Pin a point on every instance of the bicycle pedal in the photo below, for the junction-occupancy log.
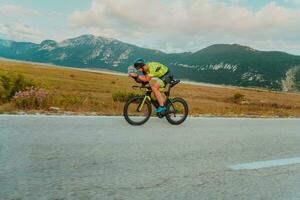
(161, 114)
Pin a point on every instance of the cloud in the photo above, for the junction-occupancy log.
(19, 31)
(174, 24)
(13, 10)
(293, 2)
(55, 14)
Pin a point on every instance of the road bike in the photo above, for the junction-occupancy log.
(137, 110)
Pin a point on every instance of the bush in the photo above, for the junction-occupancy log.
(69, 102)
(122, 96)
(31, 98)
(238, 98)
(2, 94)
(11, 83)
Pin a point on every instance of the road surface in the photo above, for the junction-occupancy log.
(61, 157)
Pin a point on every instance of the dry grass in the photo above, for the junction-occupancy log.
(81, 91)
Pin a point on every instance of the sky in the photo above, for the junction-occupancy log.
(167, 25)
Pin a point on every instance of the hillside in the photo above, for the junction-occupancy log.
(86, 92)
(226, 64)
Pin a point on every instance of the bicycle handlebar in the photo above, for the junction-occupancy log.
(141, 87)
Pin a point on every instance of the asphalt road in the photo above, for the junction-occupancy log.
(59, 157)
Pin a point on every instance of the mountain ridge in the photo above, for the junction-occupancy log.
(227, 64)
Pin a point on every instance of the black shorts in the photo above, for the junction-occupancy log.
(167, 77)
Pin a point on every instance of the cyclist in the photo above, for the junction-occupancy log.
(157, 74)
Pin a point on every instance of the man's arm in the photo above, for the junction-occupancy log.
(145, 78)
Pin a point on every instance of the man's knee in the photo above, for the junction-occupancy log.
(155, 86)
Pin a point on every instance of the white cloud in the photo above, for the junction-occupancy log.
(174, 24)
(12, 10)
(55, 14)
(21, 32)
(295, 2)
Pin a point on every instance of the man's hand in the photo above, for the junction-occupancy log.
(133, 75)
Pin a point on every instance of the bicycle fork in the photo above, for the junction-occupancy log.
(139, 108)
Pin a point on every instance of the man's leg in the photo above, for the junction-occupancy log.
(155, 86)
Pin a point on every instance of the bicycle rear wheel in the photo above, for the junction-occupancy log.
(136, 112)
(177, 111)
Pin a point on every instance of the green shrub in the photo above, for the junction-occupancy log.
(238, 97)
(11, 83)
(122, 96)
(2, 94)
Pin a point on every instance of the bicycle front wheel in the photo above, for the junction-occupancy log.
(177, 111)
(137, 110)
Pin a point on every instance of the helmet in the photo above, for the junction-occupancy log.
(139, 63)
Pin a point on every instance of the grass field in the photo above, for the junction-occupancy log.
(84, 92)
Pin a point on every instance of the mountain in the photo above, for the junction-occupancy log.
(228, 64)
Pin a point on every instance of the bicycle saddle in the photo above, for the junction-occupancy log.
(174, 82)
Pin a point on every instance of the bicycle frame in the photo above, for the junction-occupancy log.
(143, 102)
(153, 101)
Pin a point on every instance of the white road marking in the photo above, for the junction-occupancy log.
(265, 164)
